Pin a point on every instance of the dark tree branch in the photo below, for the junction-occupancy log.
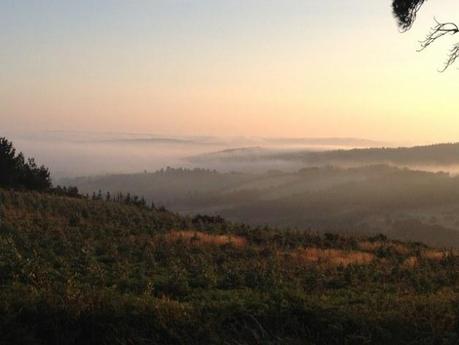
(437, 32)
(405, 12)
(452, 57)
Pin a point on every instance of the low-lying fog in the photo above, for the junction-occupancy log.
(71, 154)
(324, 184)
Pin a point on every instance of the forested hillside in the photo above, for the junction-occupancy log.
(402, 203)
(78, 271)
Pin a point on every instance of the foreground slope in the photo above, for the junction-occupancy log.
(78, 271)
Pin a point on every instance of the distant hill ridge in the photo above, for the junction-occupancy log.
(332, 141)
(435, 154)
(446, 153)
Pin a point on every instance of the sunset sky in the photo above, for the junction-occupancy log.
(267, 68)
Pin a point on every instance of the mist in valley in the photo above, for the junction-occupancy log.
(342, 185)
(326, 184)
(74, 154)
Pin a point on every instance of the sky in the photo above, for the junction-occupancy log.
(270, 68)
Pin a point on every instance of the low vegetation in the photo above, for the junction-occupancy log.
(80, 271)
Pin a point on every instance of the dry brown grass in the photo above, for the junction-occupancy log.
(434, 254)
(398, 248)
(370, 246)
(410, 262)
(202, 238)
(429, 254)
(333, 257)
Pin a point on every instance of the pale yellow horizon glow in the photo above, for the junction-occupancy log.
(260, 68)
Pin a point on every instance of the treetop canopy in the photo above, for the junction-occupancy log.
(405, 11)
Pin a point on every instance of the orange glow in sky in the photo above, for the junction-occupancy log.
(256, 68)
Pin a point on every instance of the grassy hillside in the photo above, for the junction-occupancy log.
(77, 271)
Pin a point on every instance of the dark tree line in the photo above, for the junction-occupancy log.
(17, 172)
(20, 173)
(120, 198)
